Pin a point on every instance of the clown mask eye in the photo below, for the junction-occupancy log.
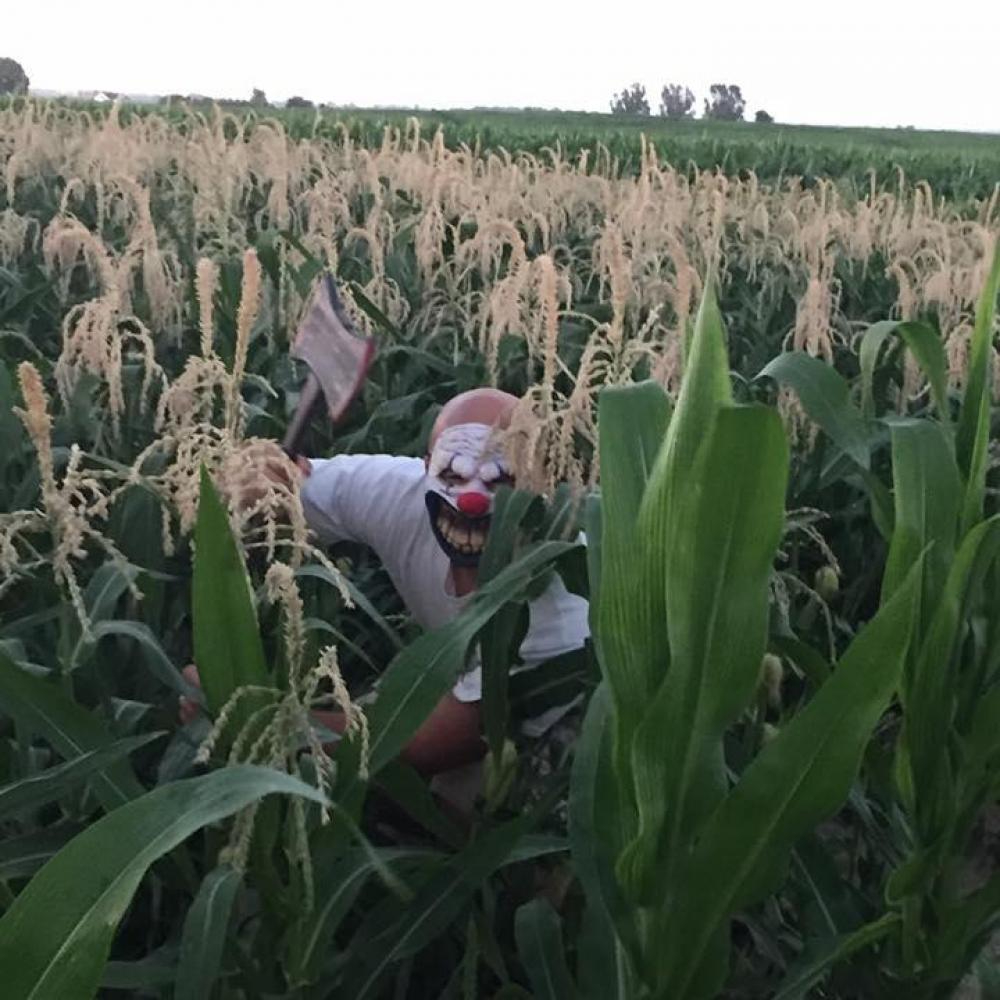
(504, 479)
(451, 478)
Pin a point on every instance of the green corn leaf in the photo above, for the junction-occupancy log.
(600, 962)
(598, 827)
(23, 855)
(872, 342)
(557, 681)
(55, 937)
(538, 933)
(641, 619)
(978, 382)
(155, 657)
(981, 750)
(933, 689)
(537, 845)
(227, 643)
(925, 345)
(631, 427)
(669, 497)
(592, 520)
(514, 512)
(54, 782)
(499, 643)
(965, 926)
(561, 518)
(427, 669)
(469, 967)
(880, 501)
(500, 640)
(836, 902)
(973, 435)
(367, 306)
(927, 490)
(204, 934)
(717, 571)
(44, 709)
(340, 640)
(359, 599)
(511, 991)
(826, 398)
(437, 904)
(411, 793)
(155, 970)
(105, 588)
(338, 885)
(704, 389)
(12, 432)
(797, 780)
(821, 955)
(337, 888)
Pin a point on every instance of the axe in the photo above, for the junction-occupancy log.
(338, 358)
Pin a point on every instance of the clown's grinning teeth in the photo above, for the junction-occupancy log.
(462, 538)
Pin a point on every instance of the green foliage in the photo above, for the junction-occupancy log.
(13, 79)
(54, 782)
(227, 643)
(539, 943)
(681, 842)
(42, 709)
(55, 937)
(631, 101)
(940, 778)
(676, 102)
(727, 103)
(205, 932)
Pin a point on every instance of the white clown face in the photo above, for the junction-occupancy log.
(465, 468)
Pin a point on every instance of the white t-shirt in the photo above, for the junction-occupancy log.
(378, 500)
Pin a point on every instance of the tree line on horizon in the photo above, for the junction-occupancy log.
(677, 102)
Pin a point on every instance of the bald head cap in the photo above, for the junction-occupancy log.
(491, 407)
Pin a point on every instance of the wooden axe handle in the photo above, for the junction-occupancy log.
(311, 397)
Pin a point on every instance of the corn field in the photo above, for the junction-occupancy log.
(767, 404)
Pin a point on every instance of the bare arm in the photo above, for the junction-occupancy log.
(448, 738)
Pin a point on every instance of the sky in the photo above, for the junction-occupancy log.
(850, 62)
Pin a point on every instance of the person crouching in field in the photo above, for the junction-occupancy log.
(427, 520)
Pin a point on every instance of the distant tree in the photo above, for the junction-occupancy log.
(727, 104)
(258, 99)
(13, 79)
(763, 118)
(631, 101)
(298, 102)
(676, 101)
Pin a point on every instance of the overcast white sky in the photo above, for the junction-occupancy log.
(847, 62)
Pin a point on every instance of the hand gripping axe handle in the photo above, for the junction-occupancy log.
(338, 358)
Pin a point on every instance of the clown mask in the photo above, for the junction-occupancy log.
(464, 469)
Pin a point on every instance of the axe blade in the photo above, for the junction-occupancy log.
(337, 355)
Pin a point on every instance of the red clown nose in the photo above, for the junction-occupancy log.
(473, 504)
